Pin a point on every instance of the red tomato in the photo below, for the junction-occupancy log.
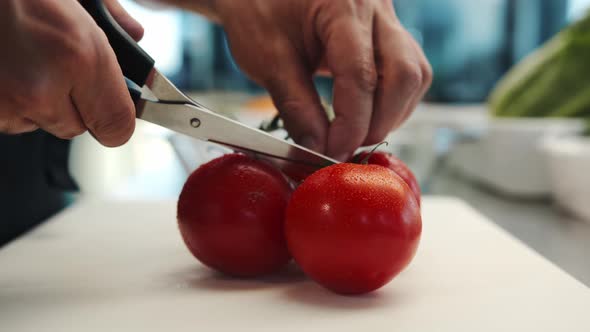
(395, 164)
(353, 228)
(231, 215)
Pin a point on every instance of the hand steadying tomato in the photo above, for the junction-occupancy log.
(352, 228)
(393, 163)
(231, 215)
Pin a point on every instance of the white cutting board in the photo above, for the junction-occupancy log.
(107, 266)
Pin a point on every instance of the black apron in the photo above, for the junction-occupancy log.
(34, 180)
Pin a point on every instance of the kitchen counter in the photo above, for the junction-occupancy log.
(559, 237)
(105, 265)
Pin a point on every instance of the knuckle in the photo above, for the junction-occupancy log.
(68, 44)
(365, 75)
(407, 75)
(80, 49)
(79, 57)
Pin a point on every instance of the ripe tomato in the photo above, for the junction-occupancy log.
(395, 164)
(352, 228)
(231, 215)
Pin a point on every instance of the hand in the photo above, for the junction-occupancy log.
(58, 72)
(380, 73)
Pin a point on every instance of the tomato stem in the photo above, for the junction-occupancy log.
(366, 159)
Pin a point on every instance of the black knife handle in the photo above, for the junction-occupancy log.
(135, 63)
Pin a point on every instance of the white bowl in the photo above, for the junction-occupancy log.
(568, 160)
(507, 157)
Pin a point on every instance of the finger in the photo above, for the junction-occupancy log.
(400, 78)
(426, 70)
(100, 93)
(128, 23)
(299, 105)
(62, 119)
(14, 124)
(349, 56)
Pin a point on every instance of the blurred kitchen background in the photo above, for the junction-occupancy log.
(524, 165)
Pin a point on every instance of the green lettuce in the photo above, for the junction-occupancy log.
(553, 81)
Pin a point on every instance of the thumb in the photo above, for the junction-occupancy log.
(294, 95)
(128, 23)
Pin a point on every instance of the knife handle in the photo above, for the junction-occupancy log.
(135, 63)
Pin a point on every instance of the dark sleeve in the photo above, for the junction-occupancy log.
(34, 178)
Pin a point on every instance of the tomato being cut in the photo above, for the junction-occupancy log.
(353, 228)
(393, 163)
(231, 215)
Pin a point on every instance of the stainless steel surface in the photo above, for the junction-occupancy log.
(218, 129)
(165, 91)
(147, 94)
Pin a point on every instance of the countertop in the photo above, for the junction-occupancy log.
(108, 265)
